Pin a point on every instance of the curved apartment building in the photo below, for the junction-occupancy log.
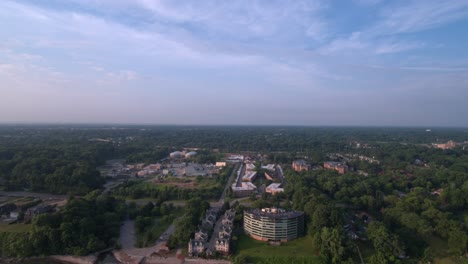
(273, 224)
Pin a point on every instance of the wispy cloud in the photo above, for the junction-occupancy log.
(288, 53)
(385, 34)
(393, 47)
(435, 69)
(415, 16)
(368, 2)
(351, 43)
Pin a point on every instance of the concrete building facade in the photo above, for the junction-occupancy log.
(273, 224)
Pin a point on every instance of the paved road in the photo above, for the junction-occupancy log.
(127, 234)
(136, 255)
(229, 182)
(214, 236)
(239, 176)
(42, 196)
(111, 184)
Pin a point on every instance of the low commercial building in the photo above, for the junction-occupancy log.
(177, 154)
(300, 165)
(221, 164)
(249, 176)
(273, 224)
(191, 154)
(246, 189)
(448, 145)
(156, 166)
(274, 188)
(269, 167)
(338, 166)
(235, 158)
(145, 172)
(249, 167)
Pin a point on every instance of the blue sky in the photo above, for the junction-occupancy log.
(356, 62)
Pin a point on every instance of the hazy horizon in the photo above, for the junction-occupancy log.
(123, 125)
(303, 63)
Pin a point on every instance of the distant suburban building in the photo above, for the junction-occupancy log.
(273, 171)
(269, 167)
(448, 145)
(274, 188)
(338, 166)
(300, 165)
(249, 167)
(437, 192)
(191, 154)
(273, 224)
(221, 164)
(156, 166)
(235, 158)
(40, 209)
(177, 154)
(14, 215)
(7, 208)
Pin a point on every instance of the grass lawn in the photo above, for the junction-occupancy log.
(366, 249)
(438, 246)
(444, 261)
(15, 228)
(139, 200)
(153, 232)
(258, 250)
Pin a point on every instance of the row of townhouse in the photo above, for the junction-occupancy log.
(223, 242)
(199, 244)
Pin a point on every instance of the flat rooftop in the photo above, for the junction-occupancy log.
(275, 186)
(279, 214)
(249, 175)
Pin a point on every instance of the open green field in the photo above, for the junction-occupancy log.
(152, 233)
(438, 246)
(181, 182)
(258, 250)
(14, 228)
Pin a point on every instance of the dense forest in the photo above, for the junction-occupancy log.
(85, 225)
(63, 159)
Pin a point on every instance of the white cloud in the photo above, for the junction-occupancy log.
(421, 15)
